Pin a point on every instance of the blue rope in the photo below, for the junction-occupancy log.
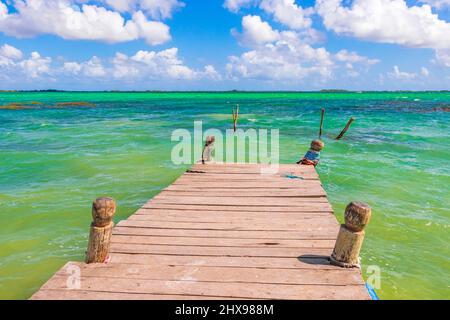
(291, 176)
(372, 292)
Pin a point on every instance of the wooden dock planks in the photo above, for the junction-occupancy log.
(222, 231)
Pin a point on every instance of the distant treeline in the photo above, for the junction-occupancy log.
(225, 91)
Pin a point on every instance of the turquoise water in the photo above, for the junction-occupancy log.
(54, 161)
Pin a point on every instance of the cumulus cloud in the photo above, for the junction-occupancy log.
(401, 75)
(442, 57)
(137, 68)
(236, 5)
(10, 52)
(3, 10)
(424, 72)
(30, 68)
(439, 4)
(70, 19)
(156, 65)
(287, 12)
(280, 56)
(287, 56)
(387, 21)
(353, 57)
(157, 9)
(13, 64)
(255, 32)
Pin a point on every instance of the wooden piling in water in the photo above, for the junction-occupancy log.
(349, 123)
(321, 124)
(235, 114)
(103, 210)
(351, 235)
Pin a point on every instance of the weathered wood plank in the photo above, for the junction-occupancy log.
(227, 216)
(217, 274)
(306, 207)
(232, 290)
(235, 225)
(64, 294)
(218, 215)
(224, 242)
(255, 202)
(299, 235)
(246, 193)
(307, 262)
(217, 251)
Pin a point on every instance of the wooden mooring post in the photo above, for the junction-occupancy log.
(208, 149)
(351, 235)
(103, 210)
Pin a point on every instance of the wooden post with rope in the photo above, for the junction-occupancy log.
(235, 114)
(208, 149)
(349, 123)
(321, 124)
(103, 210)
(351, 235)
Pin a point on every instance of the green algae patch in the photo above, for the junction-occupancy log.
(17, 106)
(75, 104)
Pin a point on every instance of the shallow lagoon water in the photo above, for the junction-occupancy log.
(55, 161)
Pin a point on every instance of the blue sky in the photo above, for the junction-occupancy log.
(225, 44)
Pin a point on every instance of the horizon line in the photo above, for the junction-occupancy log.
(219, 91)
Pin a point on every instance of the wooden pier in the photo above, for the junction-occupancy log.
(221, 231)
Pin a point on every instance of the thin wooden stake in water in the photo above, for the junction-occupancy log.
(349, 123)
(321, 124)
(235, 116)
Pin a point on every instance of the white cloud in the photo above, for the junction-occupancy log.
(144, 65)
(236, 5)
(138, 68)
(69, 20)
(157, 9)
(3, 10)
(442, 57)
(155, 65)
(352, 61)
(152, 31)
(210, 72)
(353, 57)
(255, 32)
(424, 72)
(72, 67)
(401, 75)
(35, 66)
(288, 13)
(13, 66)
(387, 21)
(94, 68)
(439, 4)
(10, 52)
(287, 58)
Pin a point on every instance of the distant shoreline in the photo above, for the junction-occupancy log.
(218, 91)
